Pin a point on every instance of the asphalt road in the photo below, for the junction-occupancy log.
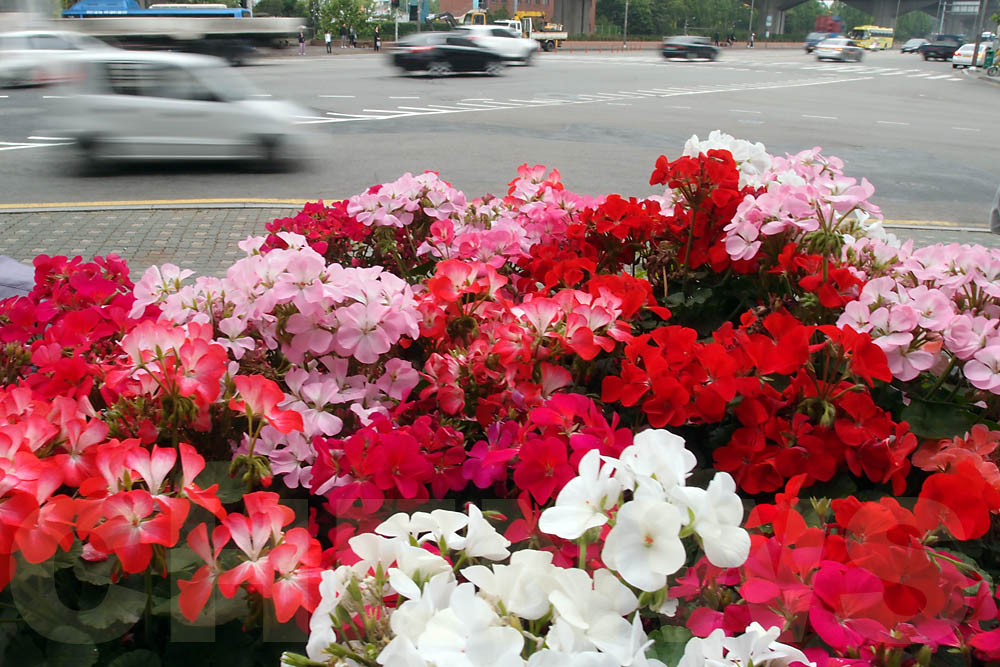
(921, 132)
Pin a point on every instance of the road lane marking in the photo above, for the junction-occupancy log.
(476, 99)
(806, 115)
(967, 129)
(583, 98)
(52, 138)
(350, 115)
(677, 106)
(404, 97)
(349, 97)
(619, 104)
(156, 202)
(941, 76)
(890, 122)
(745, 111)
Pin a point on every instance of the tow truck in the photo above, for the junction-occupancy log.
(533, 25)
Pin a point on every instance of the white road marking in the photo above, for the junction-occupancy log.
(745, 111)
(477, 99)
(350, 115)
(403, 97)
(806, 115)
(619, 104)
(963, 129)
(747, 121)
(51, 138)
(340, 96)
(890, 122)
(941, 76)
(582, 98)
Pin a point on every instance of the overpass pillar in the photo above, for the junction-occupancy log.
(884, 12)
(769, 18)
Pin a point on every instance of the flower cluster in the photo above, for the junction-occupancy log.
(410, 601)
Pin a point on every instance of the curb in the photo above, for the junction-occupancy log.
(169, 206)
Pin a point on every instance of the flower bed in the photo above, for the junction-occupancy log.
(734, 423)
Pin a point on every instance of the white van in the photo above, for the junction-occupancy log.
(139, 106)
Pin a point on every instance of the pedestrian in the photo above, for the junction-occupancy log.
(732, 39)
(354, 38)
(715, 38)
(302, 43)
(377, 39)
(753, 37)
(343, 35)
(328, 38)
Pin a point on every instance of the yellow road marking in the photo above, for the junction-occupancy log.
(149, 202)
(911, 223)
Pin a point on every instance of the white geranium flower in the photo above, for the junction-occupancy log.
(333, 593)
(627, 642)
(582, 503)
(410, 618)
(718, 513)
(580, 600)
(375, 550)
(467, 624)
(438, 525)
(482, 540)
(752, 159)
(549, 658)
(656, 454)
(705, 652)
(644, 547)
(522, 587)
(410, 562)
(757, 646)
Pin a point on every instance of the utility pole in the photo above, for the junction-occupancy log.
(980, 17)
(625, 29)
(750, 22)
(942, 9)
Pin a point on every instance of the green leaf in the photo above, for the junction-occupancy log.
(668, 644)
(931, 419)
(121, 606)
(23, 652)
(217, 472)
(138, 658)
(97, 573)
(58, 654)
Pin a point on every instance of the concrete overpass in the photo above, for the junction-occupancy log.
(769, 15)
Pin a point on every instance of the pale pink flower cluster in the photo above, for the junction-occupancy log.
(420, 611)
(939, 305)
(395, 204)
(334, 325)
(803, 193)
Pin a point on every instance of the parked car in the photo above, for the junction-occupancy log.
(941, 48)
(689, 47)
(153, 106)
(814, 38)
(441, 53)
(962, 58)
(839, 48)
(912, 45)
(34, 57)
(510, 45)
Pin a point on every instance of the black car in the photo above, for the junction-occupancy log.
(441, 53)
(689, 47)
(912, 45)
(814, 38)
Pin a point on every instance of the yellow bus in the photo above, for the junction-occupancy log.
(872, 37)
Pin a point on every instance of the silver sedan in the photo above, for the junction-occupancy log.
(839, 49)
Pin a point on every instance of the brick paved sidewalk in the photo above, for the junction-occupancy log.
(204, 238)
(201, 239)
